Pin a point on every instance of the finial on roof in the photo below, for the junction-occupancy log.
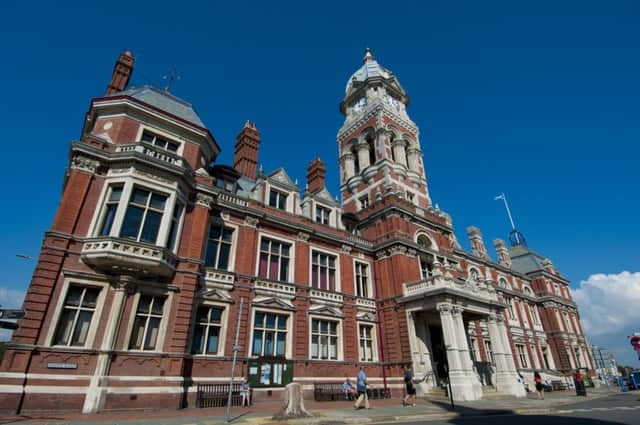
(368, 56)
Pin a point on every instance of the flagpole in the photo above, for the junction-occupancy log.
(506, 205)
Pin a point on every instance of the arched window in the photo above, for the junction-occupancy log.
(356, 162)
(527, 290)
(372, 149)
(393, 154)
(424, 242)
(502, 282)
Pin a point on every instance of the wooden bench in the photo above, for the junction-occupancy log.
(217, 395)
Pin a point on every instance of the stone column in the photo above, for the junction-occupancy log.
(398, 151)
(506, 379)
(349, 165)
(413, 159)
(363, 154)
(464, 354)
(96, 392)
(461, 387)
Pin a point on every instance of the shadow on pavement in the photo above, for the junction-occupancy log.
(469, 415)
(23, 418)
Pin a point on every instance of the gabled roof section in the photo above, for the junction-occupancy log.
(164, 101)
(281, 179)
(323, 195)
(525, 260)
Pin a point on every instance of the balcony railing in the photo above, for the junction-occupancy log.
(366, 303)
(326, 296)
(151, 151)
(220, 277)
(125, 256)
(439, 282)
(286, 290)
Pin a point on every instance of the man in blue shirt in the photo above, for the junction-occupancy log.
(361, 387)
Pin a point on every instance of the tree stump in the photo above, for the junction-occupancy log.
(293, 404)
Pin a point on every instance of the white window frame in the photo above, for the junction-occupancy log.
(338, 284)
(322, 209)
(340, 336)
(223, 327)
(95, 319)
(374, 341)
(163, 134)
(162, 329)
(522, 355)
(292, 251)
(364, 202)
(488, 351)
(128, 182)
(288, 340)
(369, 278)
(234, 236)
(280, 194)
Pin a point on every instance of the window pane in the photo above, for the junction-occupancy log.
(271, 321)
(273, 268)
(198, 340)
(227, 234)
(282, 322)
(223, 261)
(257, 343)
(109, 215)
(324, 326)
(262, 268)
(158, 304)
(152, 333)
(140, 196)
(73, 296)
(132, 221)
(285, 250)
(144, 304)
(82, 328)
(314, 346)
(264, 245)
(280, 348)
(211, 253)
(214, 232)
(284, 269)
(212, 344)
(158, 201)
(216, 315)
(90, 298)
(173, 147)
(259, 319)
(151, 227)
(137, 334)
(64, 327)
(202, 315)
(268, 343)
(147, 137)
(314, 326)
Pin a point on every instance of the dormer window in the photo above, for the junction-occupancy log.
(159, 141)
(277, 200)
(364, 202)
(322, 214)
(226, 185)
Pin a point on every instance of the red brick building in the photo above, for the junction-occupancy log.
(154, 249)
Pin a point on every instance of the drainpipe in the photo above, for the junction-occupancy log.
(380, 333)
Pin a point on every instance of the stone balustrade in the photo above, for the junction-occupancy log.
(326, 296)
(125, 256)
(278, 288)
(219, 277)
(151, 151)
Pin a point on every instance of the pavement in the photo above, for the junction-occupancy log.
(335, 413)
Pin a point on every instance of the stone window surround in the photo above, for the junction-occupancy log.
(369, 278)
(323, 209)
(338, 279)
(218, 221)
(162, 329)
(223, 328)
(95, 319)
(339, 329)
(163, 134)
(374, 341)
(128, 183)
(288, 350)
(292, 254)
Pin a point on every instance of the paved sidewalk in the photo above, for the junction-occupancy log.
(333, 413)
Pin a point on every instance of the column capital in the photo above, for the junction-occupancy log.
(457, 309)
(444, 308)
(84, 163)
(204, 200)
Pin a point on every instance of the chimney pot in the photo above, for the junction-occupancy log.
(121, 73)
(245, 160)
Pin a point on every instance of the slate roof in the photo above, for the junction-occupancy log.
(525, 260)
(164, 101)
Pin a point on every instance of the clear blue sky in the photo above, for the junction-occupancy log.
(539, 100)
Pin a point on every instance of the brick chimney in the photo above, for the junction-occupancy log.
(245, 160)
(477, 244)
(503, 253)
(315, 175)
(121, 73)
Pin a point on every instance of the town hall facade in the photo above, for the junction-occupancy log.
(158, 255)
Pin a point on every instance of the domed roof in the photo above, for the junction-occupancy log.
(371, 68)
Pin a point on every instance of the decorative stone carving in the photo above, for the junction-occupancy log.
(84, 163)
(251, 221)
(204, 200)
(303, 237)
(345, 249)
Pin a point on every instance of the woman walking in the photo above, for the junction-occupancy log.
(539, 387)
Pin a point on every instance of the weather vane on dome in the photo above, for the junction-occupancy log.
(171, 77)
(515, 236)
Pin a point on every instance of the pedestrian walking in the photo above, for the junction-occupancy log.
(410, 389)
(361, 388)
(245, 390)
(539, 387)
(579, 384)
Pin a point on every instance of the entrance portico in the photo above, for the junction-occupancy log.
(439, 310)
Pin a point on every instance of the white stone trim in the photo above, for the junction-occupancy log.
(339, 329)
(95, 319)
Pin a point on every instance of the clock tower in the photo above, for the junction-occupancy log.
(379, 144)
